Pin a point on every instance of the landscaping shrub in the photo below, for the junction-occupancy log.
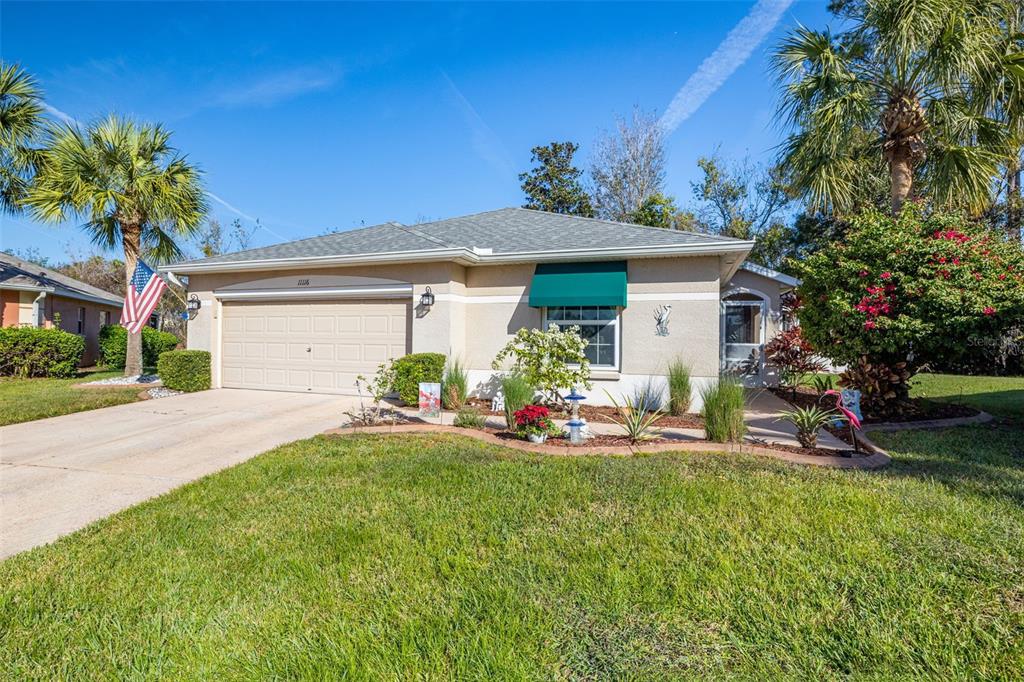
(902, 293)
(551, 361)
(114, 345)
(455, 386)
(680, 391)
(723, 411)
(518, 393)
(412, 369)
(184, 370)
(34, 352)
(793, 356)
(468, 418)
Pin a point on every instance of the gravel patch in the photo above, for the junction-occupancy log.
(161, 392)
(125, 381)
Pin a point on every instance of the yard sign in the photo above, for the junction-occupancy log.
(430, 400)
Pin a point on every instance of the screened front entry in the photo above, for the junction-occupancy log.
(743, 337)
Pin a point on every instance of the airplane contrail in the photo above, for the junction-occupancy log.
(730, 54)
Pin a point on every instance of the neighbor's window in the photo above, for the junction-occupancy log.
(81, 321)
(104, 318)
(598, 324)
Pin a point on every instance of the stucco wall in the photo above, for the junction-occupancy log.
(67, 309)
(478, 309)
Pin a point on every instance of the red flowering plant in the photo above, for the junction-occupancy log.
(534, 419)
(901, 293)
(793, 356)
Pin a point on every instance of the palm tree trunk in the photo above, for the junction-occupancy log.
(1014, 200)
(901, 176)
(130, 235)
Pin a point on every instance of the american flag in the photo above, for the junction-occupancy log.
(143, 295)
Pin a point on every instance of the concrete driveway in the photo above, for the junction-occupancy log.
(58, 475)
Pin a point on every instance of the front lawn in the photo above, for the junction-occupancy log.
(23, 400)
(439, 557)
(1003, 396)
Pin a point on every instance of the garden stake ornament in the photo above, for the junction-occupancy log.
(851, 418)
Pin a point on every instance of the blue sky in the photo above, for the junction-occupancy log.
(329, 115)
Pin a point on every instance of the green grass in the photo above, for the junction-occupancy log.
(375, 557)
(23, 400)
(1003, 396)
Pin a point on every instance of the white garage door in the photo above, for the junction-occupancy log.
(315, 346)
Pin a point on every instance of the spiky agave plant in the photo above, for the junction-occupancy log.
(638, 424)
(808, 422)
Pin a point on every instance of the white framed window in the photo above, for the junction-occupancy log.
(104, 318)
(599, 325)
(80, 327)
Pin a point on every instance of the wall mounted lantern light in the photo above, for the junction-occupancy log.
(427, 298)
(192, 305)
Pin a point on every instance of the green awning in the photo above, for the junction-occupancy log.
(561, 284)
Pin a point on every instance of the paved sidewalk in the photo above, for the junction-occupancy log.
(58, 475)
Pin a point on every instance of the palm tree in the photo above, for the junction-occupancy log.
(1000, 92)
(128, 184)
(21, 120)
(893, 88)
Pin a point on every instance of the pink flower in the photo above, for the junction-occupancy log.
(863, 273)
(989, 310)
(956, 261)
(886, 275)
(1002, 275)
(869, 325)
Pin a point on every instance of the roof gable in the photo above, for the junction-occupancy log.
(16, 273)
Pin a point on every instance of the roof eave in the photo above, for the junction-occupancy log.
(465, 257)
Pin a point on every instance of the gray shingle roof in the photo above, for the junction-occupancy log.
(504, 231)
(22, 274)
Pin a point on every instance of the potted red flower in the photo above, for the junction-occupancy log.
(533, 422)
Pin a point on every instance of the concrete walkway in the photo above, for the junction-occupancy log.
(58, 475)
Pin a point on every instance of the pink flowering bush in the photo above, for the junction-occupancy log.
(903, 293)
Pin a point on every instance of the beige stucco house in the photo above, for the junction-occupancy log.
(32, 295)
(313, 314)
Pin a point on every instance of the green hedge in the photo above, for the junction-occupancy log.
(114, 345)
(412, 369)
(184, 370)
(32, 352)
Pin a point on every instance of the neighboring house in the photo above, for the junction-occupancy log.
(311, 315)
(36, 296)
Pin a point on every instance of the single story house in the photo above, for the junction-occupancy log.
(311, 315)
(36, 296)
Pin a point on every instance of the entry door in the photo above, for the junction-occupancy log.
(743, 340)
(314, 346)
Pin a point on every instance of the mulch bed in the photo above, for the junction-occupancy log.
(917, 410)
(596, 440)
(600, 414)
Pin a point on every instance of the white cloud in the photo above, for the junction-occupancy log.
(57, 113)
(277, 87)
(486, 142)
(730, 54)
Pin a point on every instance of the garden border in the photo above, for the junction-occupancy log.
(981, 418)
(877, 460)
